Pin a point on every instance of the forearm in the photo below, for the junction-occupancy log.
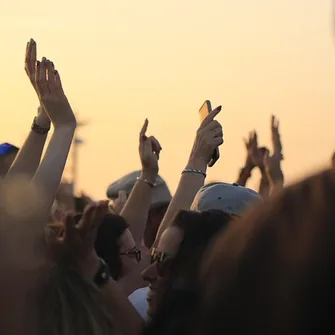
(276, 181)
(50, 171)
(29, 156)
(127, 320)
(264, 186)
(189, 185)
(136, 209)
(245, 174)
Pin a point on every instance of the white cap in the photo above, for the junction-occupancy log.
(230, 198)
(160, 193)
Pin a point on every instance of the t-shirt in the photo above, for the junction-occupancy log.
(139, 300)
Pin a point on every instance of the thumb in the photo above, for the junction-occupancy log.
(266, 159)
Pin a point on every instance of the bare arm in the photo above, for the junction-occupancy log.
(55, 103)
(273, 163)
(29, 156)
(49, 173)
(137, 206)
(128, 321)
(264, 186)
(209, 137)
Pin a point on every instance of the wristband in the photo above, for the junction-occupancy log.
(146, 181)
(38, 129)
(194, 171)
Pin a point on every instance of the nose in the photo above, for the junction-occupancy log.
(149, 274)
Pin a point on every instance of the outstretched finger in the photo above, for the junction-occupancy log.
(58, 82)
(30, 60)
(69, 227)
(210, 117)
(144, 129)
(86, 221)
(101, 211)
(41, 81)
(51, 76)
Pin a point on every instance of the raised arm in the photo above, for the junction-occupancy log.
(273, 163)
(250, 164)
(137, 206)
(209, 137)
(56, 105)
(29, 156)
(76, 245)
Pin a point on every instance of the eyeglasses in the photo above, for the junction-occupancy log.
(136, 253)
(162, 261)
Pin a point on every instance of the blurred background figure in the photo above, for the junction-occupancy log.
(119, 191)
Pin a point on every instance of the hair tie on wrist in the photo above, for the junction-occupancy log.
(38, 129)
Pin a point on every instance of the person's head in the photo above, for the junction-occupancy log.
(116, 246)
(274, 273)
(64, 303)
(178, 253)
(160, 200)
(155, 217)
(230, 198)
(8, 153)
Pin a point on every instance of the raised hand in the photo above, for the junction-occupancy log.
(51, 94)
(30, 68)
(254, 153)
(209, 137)
(149, 150)
(76, 243)
(275, 137)
(272, 163)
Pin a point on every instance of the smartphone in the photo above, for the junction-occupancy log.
(205, 109)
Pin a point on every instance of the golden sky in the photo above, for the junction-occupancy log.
(124, 60)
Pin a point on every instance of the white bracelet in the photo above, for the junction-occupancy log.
(195, 171)
(148, 182)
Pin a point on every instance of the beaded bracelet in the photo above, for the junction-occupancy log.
(38, 129)
(195, 171)
(148, 182)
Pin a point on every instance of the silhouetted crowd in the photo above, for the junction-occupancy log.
(214, 258)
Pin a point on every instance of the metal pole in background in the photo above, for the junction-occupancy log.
(77, 141)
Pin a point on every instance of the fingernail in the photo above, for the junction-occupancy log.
(219, 108)
(56, 72)
(44, 59)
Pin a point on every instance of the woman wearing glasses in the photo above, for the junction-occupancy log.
(174, 267)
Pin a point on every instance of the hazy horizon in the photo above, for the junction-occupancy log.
(123, 61)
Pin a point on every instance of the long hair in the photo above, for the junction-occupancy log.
(66, 304)
(179, 297)
(275, 272)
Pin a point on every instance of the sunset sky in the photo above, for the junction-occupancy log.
(124, 60)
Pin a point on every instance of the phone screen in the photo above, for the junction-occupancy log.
(204, 110)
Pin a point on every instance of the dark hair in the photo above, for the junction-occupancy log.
(179, 297)
(107, 244)
(275, 272)
(155, 217)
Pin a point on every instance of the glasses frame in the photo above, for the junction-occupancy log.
(136, 252)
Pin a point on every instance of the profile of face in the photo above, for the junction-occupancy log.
(154, 274)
